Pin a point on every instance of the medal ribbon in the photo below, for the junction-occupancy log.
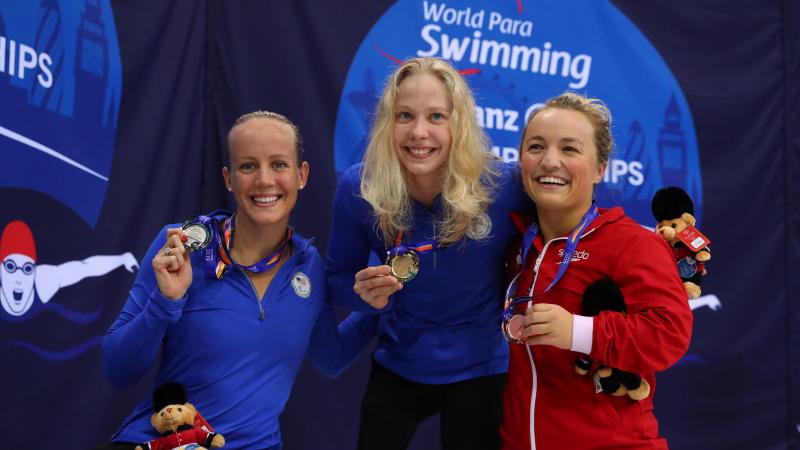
(569, 250)
(419, 248)
(226, 243)
(212, 252)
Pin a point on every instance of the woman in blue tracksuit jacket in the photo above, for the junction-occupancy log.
(428, 183)
(234, 332)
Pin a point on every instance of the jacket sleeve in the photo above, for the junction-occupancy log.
(348, 247)
(332, 349)
(131, 344)
(657, 328)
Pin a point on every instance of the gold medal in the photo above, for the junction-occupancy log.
(404, 266)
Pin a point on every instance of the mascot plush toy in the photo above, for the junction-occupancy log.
(604, 295)
(674, 212)
(177, 422)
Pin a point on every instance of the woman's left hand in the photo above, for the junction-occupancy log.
(548, 324)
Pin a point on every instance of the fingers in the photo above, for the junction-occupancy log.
(378, 296)
(548, 324)
(375, 282)
(175, 239)
(538, 329)
(374, 285)
(371, 272)
(173, 255)
(539, 313)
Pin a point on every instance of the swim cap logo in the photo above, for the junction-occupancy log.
(516, 55)
(24, 280)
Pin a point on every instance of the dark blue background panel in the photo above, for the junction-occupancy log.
(128, 134)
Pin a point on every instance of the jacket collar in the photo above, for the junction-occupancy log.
(606, 215)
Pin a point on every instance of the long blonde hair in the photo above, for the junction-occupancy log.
(468, 178)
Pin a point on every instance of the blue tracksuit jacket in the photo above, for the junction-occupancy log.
(237, 367)
(444, 325)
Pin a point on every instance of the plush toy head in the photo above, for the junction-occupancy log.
(179, 423)
(171, 410)
(674, 211)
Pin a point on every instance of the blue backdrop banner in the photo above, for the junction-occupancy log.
(113, 117)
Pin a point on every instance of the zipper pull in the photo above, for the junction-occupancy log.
(261, 314)
(436, 250)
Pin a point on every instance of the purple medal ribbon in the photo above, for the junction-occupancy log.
(419, 248)
(569, 250)
(216, 255)
(226, 243)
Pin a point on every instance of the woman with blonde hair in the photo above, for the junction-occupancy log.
(432, 201)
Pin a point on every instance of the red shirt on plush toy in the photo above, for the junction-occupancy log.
(177, 422)
(674, 211)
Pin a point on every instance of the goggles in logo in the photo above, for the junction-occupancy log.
(12, 267)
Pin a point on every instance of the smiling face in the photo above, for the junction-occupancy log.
(16, 278)
(264, 173)
(559, 161)
(422, 134)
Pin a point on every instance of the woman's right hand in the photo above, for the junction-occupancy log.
(375, 285)
(172, 266)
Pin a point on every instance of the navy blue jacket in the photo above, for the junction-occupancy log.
(237, 367)
(444, 325)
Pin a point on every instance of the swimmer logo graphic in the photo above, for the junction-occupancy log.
(23, 279)
(515, 55)
(60, 88)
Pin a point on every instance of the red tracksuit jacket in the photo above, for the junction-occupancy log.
(547, 405)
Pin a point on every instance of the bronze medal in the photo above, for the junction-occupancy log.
(514, 328)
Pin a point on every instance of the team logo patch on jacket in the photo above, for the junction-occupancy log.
(480, 227)
(301, 284)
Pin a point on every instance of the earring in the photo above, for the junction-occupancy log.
(302, 186)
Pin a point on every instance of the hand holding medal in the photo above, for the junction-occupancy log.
(548, 324)
(171, 266)
(197, 233)
(539, 324)
(375, 284)
(542, 323)
(403, 261)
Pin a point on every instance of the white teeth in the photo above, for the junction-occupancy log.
(421, 151)
(552, 180)
(265, 198)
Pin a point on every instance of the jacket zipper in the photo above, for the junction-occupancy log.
(259, 301)
(436, 250)
(255, 294)
(534, 377)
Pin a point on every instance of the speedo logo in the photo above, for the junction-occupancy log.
(582, 254)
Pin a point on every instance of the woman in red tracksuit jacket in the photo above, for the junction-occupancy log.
(547, 405)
